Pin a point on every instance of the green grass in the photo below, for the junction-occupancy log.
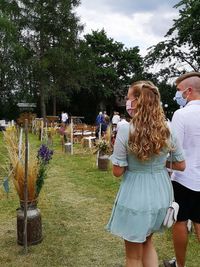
(75, 204)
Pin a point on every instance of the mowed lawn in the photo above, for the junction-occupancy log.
(75, 204)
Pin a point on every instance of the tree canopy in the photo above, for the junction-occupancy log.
(180, 51)
(109, 69)
(46, 38)
(44, 60)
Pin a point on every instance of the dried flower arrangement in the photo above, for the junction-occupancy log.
(103, 147)
(37, 165)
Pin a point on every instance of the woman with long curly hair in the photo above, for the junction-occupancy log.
(141, 155)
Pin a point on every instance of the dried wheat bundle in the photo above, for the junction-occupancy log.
(108, 134)
(17, 165)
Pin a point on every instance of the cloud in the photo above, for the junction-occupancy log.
(141, 24)
(128, 6)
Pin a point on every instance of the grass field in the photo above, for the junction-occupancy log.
(75, 204)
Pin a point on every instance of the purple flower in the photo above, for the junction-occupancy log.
(44, 154)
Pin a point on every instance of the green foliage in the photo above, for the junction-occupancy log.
(45, 39)
(103, 147)
(44, 156)
(167, 93)
(44, 61)
(188, 23)
(9, 53)
(181, 51)
(108, 68)
(40, 180)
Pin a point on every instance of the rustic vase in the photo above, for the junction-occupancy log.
(34, 224)
(103, 162)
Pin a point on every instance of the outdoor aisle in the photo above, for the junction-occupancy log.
(75, 204)
(80, 199)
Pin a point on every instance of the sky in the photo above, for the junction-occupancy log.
(141, 23)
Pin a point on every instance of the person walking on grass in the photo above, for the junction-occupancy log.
(140, 156)
(186, 124)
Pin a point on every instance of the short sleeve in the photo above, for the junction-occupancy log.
(120, 154)
(178, 126)
(177, 151)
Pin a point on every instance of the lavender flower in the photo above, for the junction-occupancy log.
(44, 154)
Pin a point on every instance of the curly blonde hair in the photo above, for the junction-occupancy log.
(150, 131)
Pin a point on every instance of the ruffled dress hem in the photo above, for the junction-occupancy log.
(130, 240)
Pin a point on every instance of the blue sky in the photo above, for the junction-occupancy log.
(139, 23)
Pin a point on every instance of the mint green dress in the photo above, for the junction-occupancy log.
(145, 191)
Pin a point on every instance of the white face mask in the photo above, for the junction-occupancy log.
(181, 101)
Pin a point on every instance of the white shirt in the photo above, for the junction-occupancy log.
(186, 124)
(64, 117)
(123, 121)
(115, 119)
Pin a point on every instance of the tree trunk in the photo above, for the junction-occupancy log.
(54, 105)
(102, 106)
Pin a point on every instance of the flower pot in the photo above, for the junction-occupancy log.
(103, 162)
(34, 224)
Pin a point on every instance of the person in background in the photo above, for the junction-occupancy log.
(105, 113)
(122, 121)
(115, 119)
(116, 127)
(99, 118)
(101, 129)
(64, 117)
(186, 124)
(140, 156)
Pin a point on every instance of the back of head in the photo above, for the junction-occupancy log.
(106, 119)
(190, 80)
(122, 116)
(150, 133)
(186, 76)
(148, 98)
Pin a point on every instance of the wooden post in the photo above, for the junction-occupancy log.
(99, 141)
(42, 130)
(72, 135)
(46, 133)
(26, 186)
(20, 144)
(100, 131)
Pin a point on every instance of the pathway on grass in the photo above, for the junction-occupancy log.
(75, 203)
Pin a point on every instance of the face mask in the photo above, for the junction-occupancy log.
(179, 98)
(129, 108)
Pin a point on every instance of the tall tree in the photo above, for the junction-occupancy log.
(48, 33)
(11, 54)
(181, 50)
(109, 69)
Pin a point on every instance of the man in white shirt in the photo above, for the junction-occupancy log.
(115, 118)
(122, 121)
(64, 117)
(186, 184)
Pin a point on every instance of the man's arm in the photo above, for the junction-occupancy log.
(178, 127)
